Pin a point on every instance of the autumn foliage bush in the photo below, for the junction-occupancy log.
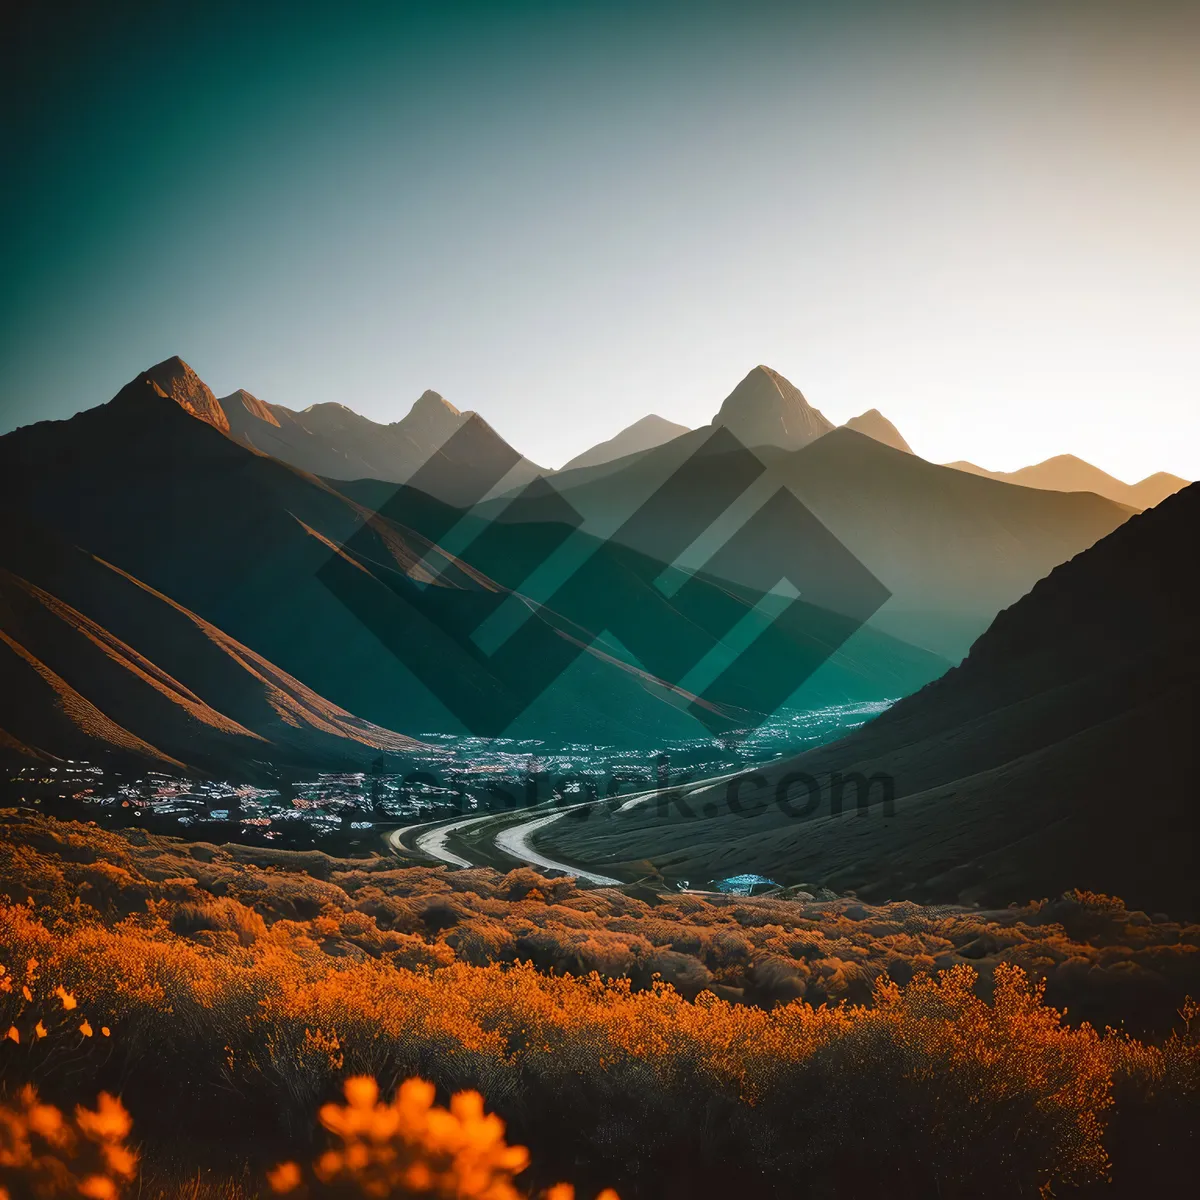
(907, 1072)
(411, 1147)
(44, 1153)
(1099, 961)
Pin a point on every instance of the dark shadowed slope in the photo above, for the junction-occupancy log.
(642, 435)
(1061, 753)
(98, 665)
(875, 425)
(236, 537)
(1066, 473)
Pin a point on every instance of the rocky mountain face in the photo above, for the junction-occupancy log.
(243, 400)
(765, 409)
(175, 379)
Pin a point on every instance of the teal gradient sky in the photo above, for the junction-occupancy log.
(979, 218)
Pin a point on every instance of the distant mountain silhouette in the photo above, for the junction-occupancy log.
(1066, 473)
(953, 549)
(875, 425)
(767, 410)
(333, 441)
(1062, 753)
(643, 434)
(1154, 489)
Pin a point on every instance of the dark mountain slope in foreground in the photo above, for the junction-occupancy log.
(1061, 753)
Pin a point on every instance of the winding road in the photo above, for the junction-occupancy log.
(507, 837)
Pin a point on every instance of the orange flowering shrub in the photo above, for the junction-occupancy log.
(1104, 963)
(848, 1047)
(411, 1147)
(46, 1154)
(36, 1011)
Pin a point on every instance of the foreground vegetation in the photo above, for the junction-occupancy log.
(798, 1049)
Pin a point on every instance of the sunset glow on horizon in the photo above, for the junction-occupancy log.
(567, 217)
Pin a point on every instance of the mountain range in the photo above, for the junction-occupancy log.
(765, 409)
(344, 587)
(1066, 473)
(951, 548)
(1061, 753)
(333, 441)
(305, 585)
(249, 544)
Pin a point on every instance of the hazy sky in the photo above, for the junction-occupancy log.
(980, 218)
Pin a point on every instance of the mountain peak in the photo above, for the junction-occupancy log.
(875, 425)
(1065, 460)
(644, 434)
(176, 380)
(1157, 487)
(430, 401)
(251, 403)
(766, 409)
(432, 419)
